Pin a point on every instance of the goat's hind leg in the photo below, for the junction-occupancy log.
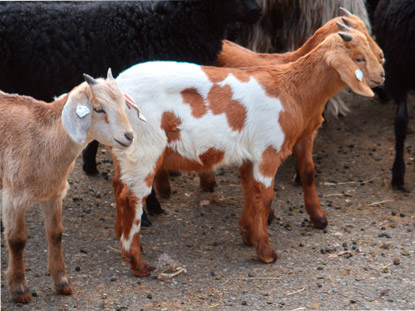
(52, 214)
(258, 199)
(16, 237)
(401, 127)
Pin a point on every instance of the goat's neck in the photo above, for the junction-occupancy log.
(310, 81)
(61, 147)
(310, 44)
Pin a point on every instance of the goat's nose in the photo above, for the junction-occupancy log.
(129, 136)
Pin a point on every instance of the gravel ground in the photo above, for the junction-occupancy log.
(364, 260)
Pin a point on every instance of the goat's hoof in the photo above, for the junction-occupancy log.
(271, 217)
(145, 222)
(90, 170)
(319, 222)
(64, 287)
(142, 270)
(153, 207)
(266, 254)
(207, 181)
(399, 186)
(21, 296)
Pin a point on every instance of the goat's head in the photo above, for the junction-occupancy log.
(355, 22)
(246, 11)
(352, 57)
(96, 110)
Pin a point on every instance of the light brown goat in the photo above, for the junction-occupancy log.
(236, 56)
(39, 144)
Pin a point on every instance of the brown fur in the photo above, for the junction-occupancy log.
(170, 124)
(195, 100)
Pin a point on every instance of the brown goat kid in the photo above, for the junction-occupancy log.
(201, 118)
(236, 56)
(39, 144)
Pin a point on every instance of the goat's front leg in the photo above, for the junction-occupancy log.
(52, 213)
(132, 207)
(303, 152)
(16, 236)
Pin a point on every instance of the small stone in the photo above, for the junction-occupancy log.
(393, 213)
(78, 268)
(213, 273)
(113, 279)
(83, 251)
(323, 251)
(149, 296)
(402, 214)
(301, 245)
(325, 231)
(244, 303)
(251, 275)
(34, 294)
(396, 261)
(353, 301)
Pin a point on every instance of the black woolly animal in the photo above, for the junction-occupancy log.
(394, 28)
(47, 46)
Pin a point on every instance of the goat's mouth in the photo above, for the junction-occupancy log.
(375, 83)
(125, 145)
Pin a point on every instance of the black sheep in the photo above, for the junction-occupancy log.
(46, 46)
(394, 28)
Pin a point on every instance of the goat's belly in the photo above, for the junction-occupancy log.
(211, 158)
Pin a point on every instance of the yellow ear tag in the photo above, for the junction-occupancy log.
(359, 75)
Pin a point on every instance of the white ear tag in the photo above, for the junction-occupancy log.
(82, 111)
(359, 75)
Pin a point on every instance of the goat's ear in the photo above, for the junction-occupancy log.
(76, 117)
(351, 75)
(131, 103)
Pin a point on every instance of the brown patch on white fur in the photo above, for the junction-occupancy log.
(270, 162)
(170, 124)
(220, 101)
(192, 97)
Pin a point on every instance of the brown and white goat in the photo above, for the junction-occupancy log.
(200, 118)
(39, 144)
(236, 56)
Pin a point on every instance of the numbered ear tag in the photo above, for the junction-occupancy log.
(82, 111)
(359, 75)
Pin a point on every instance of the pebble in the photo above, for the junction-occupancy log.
(149, 296)
(396, 261)
(77, 269)
(244, 303)
(402, 214)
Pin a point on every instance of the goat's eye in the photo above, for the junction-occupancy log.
(360, 60)
(99, 110)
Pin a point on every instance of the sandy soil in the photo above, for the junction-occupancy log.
(364, 260)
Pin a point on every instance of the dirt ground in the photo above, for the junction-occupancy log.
(364, 260)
